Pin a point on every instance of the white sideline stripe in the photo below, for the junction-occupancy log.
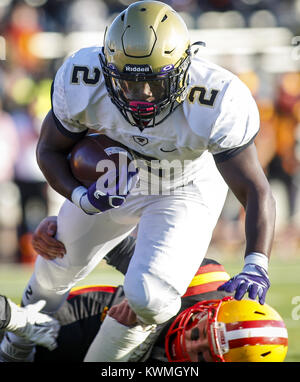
(256, 332)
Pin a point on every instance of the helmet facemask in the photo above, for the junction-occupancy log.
(146, 99)
(175, 343)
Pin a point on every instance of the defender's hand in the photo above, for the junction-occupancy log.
(123, 313)
(44, 242)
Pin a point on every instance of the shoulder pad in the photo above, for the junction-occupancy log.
(77, 83)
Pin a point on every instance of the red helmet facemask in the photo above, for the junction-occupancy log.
(175, 342)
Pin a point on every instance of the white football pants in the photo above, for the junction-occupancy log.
(174, 233)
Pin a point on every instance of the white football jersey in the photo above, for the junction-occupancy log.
(218, 114)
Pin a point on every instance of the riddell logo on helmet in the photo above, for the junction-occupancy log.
(137, 68)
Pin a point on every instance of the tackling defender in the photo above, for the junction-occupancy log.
(185, 338)
(147, 89)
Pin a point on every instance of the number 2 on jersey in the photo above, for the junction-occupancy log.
(200, 92)
(82, 73)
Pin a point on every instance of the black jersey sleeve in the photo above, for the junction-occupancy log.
(228, 154)
(4, 312)
(120, 256)
(80, 318)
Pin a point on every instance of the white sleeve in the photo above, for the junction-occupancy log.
(60, 102)
(238, 121)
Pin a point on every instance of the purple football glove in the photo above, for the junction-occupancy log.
(104, 202)
(253, 279)
(108, 192)
(104, 196)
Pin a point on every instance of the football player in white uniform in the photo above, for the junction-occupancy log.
(147, 89)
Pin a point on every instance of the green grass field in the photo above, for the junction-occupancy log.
(285, 286)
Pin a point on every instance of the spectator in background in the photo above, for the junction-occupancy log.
(277, 147)
(266, 140)
(285, 165)
(9, 195)
(9, 146)
(30, 181)
(21, 26)
(27, 102)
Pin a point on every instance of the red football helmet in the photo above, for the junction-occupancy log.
(237, 331)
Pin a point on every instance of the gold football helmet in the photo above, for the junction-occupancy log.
(238, 331)
(144, 60)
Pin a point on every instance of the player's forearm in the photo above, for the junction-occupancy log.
(52, 151)
(246, 179)
(55, 167)
(260, 221)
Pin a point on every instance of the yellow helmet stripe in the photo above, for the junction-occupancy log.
(91, 288)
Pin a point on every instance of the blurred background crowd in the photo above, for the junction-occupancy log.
(256, 39)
